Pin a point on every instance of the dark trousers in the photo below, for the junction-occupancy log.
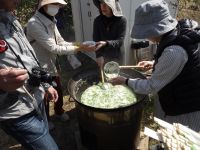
(31, 130)
(58, 105)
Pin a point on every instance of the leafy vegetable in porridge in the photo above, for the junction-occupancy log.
(108, 96)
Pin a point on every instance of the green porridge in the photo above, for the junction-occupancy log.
(108, 96)
(111, 75)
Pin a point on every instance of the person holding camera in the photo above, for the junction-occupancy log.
(22, 111)
(42, 32)
(12, 78)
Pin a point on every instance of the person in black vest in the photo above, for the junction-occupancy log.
(176, 68)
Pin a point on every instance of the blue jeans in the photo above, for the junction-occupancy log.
(31, 131)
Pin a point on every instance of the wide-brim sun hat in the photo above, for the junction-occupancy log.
(152, 19)
(46, 2)
(113, 4)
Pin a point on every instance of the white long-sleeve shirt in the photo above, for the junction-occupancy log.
(48, 43)
(169, 66)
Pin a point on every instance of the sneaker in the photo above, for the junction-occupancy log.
(63, 117)
(51, 125)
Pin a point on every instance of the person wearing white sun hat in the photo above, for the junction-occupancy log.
(176, 69)
(42, 32)
(46, 2)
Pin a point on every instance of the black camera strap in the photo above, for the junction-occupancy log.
(17, 31)
(34, 101)
(35, 58)
(18, 57)
(29, 51)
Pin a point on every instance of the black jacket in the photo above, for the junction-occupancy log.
(113, 31)
(182, 94)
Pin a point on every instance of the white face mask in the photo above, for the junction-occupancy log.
(52, 10)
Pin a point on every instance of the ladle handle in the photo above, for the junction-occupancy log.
(128, 67)
(102, 75)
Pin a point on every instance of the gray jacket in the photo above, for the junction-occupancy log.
(17, 103)
(47, 41)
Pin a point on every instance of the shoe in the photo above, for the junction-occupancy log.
(51, 125)
(63, 117)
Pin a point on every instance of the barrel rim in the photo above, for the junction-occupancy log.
(140, 102)
(92, 72)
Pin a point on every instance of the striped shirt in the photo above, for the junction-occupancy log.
(169, 66)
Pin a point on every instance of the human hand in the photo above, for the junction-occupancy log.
(52, 94)
(146, 64)
(86, 47)
(100, 44)
(12, 78)
(100, 61)
(118, 80)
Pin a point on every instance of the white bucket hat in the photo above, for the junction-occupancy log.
(45, 2)
(113, 4)
(152, 18)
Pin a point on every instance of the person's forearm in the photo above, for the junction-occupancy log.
(115, 43)
(169, 66)
(62, 49)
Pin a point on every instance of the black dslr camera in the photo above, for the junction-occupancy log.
(40, 75)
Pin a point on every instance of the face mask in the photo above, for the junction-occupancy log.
(52, 10)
